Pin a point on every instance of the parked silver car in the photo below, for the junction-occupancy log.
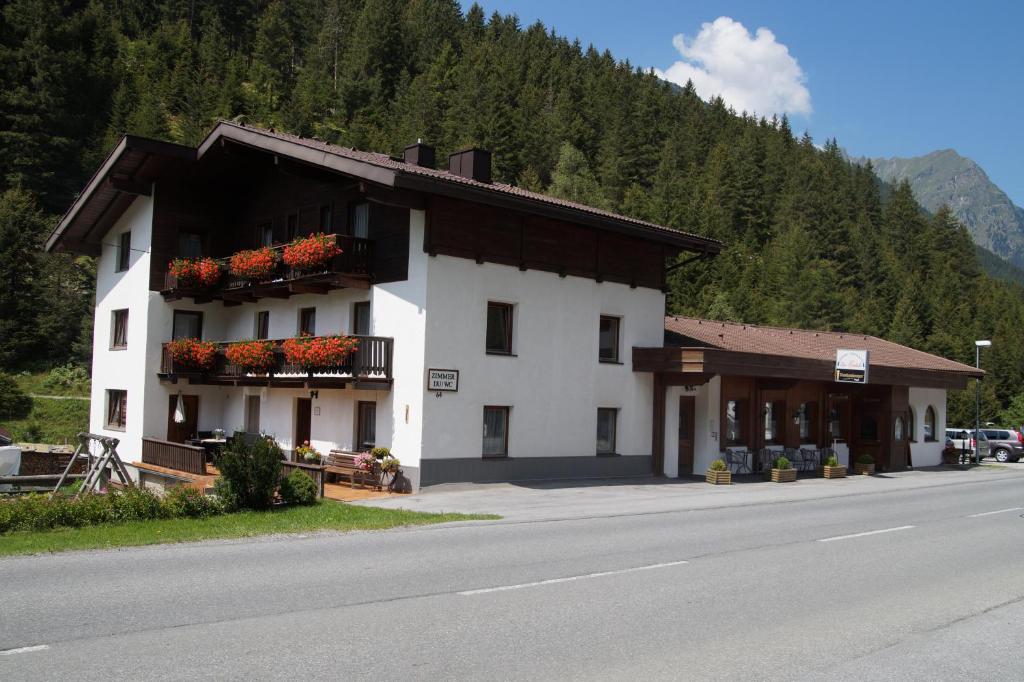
(1006, 445)
(963, 440)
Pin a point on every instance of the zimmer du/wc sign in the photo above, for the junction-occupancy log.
(851, 366)
(442, 380)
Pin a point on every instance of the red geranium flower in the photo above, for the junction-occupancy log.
(193, 352)
(195, 272)
(254, 264)
(319, 352)
(251, 355)
(309, 253)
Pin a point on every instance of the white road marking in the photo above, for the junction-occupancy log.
(870, 532)
(571, 578)
(998, 511)
(25, 650)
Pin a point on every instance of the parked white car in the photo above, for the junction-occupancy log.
(963, 440)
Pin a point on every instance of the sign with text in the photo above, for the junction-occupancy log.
(442, 380)
(851, 366)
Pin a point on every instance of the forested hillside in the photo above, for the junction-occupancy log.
(813, 240)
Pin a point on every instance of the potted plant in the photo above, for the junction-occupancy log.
(193, 353)
(833, 469)
(312, 252)
(319, 352)
(783, 471)
(718, 473)
(252, 355)
(865, 464)
(307, 453)
(194, 273)
(255, 264)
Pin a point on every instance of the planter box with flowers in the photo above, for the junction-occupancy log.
(313, 353)
(783, 471)
(369, 470)
(306, 453)
(865, 465)
(251, 356)
(311, 253)
(718, 473)
(833, 469)
(194, 273)
(192, 354)
(254, 265)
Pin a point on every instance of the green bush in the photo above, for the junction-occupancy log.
(865, 459)
(68, 378)
(14, 404)
(381, 453)
(781, 463)
(718, 465)
(298, 488)
(832, 461)
(135, 504)
(248, 474)
(182, 502)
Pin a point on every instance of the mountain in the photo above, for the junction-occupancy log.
(946, 177)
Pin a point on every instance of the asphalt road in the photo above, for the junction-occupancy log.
(903, 585)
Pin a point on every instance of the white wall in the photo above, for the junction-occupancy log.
(554, 382)
(928, 453)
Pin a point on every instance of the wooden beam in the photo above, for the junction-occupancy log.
(129, 186)
(240, 296)
(352, 282)
(402, 198)
(308, 288)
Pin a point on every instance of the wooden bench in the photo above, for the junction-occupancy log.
(343, 464)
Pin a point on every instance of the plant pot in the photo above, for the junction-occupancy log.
(783, 475)
(718, 477)
(838, 471)
(863, 469)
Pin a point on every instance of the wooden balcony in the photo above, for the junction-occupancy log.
(177, 456)
(369, 367)
(352, 268)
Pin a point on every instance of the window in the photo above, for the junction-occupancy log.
(897, 429)
(499, 328)
(326, 223)
(117, 409)
(307, 321)
(929, 424)
(774, 428)
(606, 418)
(265, 234)
(608, 339)
(495, 432)
(361, 318)
(292, 227)
(119, 330)
(124, 251)
(835, 422)
(190, 245)
(188, 324)
(805, 420)
(911, 425)
(869, 428)
(261, 328)
(361, 220)
(252, 414)
(366, 425)
(734, 416)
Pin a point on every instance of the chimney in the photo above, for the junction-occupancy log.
(474, 164)
(419, 154)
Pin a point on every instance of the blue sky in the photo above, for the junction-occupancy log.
(885, 78)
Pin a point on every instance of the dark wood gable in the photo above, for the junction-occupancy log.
(494, 235)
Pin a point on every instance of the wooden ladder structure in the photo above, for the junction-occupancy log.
(97, 465)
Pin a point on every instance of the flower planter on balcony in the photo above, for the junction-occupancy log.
(255, 265)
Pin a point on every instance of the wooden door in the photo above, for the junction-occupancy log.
(179, 433)
(303, 419)
(687, 417)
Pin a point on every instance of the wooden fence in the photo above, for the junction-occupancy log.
(178, 456)
(314, 471)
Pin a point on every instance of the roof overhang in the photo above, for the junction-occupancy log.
(703, 361)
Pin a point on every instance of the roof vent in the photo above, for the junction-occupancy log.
(474, 164)
(419, 154)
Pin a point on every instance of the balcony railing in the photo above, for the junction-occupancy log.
(177, 456)
(369, 363)
(351, 267)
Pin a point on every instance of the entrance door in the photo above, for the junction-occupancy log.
(687, 408)
(303, 419)
(366, 425)
(179, 433)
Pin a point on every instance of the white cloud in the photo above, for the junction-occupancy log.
(755, 73)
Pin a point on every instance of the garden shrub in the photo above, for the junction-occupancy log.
(865, 459)
(14, 404)
(832, 461)
(781, 463)
(718, 465)
(182, 502)
(134, 504)
(298, 488)
(248, 474)
(67, 378)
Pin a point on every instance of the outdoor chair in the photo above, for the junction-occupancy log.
(736, 460)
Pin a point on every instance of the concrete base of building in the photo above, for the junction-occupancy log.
(497, 470)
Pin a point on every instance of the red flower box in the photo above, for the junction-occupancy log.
(251, 355)
(319, 352)
(193, 273)
(254, 264)
(193, 352)
(312, 252)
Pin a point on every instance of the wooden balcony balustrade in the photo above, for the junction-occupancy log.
(351, 268)
(177, 456)
(369, 365)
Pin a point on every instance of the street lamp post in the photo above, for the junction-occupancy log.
(978, 345)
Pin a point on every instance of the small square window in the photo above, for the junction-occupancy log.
(499, 328)
(117, 409)
(119, 330)
(495, 432)
(307, 321)
(606, 426)
(608, 339)
(124, 251)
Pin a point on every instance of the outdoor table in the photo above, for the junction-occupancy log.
(742, 458)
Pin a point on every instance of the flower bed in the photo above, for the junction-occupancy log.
(319, 352)
(193, 352)
(312, 252)
(251, 355)
(255, 264)
(195, 273)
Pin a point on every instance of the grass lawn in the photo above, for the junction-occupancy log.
(55, 422)
(41, 383)
(325, 515)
